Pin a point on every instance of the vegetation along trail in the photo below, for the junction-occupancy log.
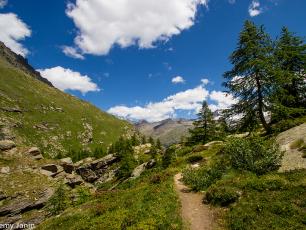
(195, 214)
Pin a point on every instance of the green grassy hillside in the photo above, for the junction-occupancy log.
(36, 114)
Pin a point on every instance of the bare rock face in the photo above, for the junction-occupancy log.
(106, 177)
(92, 171)
(21, 205)
(87, 174)
(141, 168)
(35, 153)
(7, 145)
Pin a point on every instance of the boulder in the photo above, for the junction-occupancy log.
(51, 169)
(73, 180)
(35, 153)
(66, 160)
(7, 145)
(67, 165)
(141, 168)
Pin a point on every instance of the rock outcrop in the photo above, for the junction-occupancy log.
(141, 168)
(35, 153)
(21, 205)
(7, 145)
(92, 171)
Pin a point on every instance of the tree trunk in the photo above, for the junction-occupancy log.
(261, 107)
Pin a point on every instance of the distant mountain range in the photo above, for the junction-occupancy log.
(169, 131)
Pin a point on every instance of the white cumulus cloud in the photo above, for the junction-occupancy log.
(66, 79)
(254, 8)
(205, 81)
(3, 3)
(72, 52)
(189, 100)
(177, 80)
(12, 31)
(102, 24)
(221, 100)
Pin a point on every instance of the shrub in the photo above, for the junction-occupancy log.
(254, 154)
(202, 178)
(194, 159)
(221, 195)
(59, 201)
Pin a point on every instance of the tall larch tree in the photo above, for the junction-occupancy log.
(250, 79)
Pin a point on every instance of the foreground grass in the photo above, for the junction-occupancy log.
(149, 202)
(271, 201)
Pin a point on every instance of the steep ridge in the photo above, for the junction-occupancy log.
(34, 113)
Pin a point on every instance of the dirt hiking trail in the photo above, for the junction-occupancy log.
(195, 214)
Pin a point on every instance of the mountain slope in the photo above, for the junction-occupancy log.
(168, 131)
(36, 114)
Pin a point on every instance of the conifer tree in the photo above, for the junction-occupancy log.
(250, 79)
(290, 59)
(204, 126)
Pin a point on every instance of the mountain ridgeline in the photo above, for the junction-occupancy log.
(34, 113)
(168, 131)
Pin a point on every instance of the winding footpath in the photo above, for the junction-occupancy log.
(195, 214)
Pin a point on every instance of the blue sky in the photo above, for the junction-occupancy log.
(142, 59)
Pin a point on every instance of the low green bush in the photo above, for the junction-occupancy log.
(194, 158)
(253, 154)
(202, 178)
(221, 195)
(268, 182)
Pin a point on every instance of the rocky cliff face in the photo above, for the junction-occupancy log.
(19, 62)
